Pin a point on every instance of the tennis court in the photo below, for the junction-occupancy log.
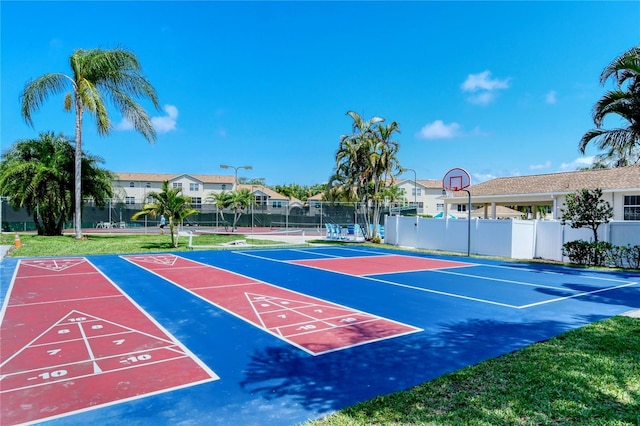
(268, 336)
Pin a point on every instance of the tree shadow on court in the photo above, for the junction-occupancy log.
(624, 296)
(575, 270)
(338, 379)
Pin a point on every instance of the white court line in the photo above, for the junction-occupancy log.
(554, 273)
(482, 277)
(426, 290)
(413, 329)
(626, 283)
(57, 274)
(19, 305)
(587, 293)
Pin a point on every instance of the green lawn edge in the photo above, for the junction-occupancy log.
(587, 376)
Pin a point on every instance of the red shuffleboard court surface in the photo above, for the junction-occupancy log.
(314, 325)
(374, 265)
(72, 340)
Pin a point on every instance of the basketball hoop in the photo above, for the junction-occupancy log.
(458, 179)
(448, 193)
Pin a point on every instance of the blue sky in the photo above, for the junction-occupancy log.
(498, 88)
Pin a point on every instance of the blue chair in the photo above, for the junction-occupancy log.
(331, 235)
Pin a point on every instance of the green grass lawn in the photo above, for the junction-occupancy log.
(589, 376)
(67, 245)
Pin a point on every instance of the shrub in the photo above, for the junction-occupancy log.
(587, 253)
(602, 253)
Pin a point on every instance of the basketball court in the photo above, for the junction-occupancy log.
(267, 336)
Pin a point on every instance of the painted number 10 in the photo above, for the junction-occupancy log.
(56, 373)
(144, 357)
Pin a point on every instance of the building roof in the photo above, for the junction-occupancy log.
(565, 182)
(269, 192)
(501, 212)
(426, 183)
(161, 177)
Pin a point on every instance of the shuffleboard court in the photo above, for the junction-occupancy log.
(268, 336)
(314, 325)
(78, 342)
(511, 287)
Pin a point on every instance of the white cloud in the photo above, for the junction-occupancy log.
(483, 81)
(551, 97)
(541, 166)
(166, 123)
(162, 124)
(483, 87)
(482, 98)
(124, 125)
(439, 130)
(577, 164)
(481, 177)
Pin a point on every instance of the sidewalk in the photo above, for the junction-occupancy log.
(4, 250)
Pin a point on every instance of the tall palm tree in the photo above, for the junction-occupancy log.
(37, 174)
(366, 160)
(621, 145)
(96, 75)
(170, 203)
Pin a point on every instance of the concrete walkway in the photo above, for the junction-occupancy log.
(4, 250)
(632, 314)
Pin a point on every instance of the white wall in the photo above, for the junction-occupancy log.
(519, 239)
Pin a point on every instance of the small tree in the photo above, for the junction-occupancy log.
(221, 200)
(171, 203)
(239, 201)
(587, 209)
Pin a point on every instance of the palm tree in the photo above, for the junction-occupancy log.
(366, 161)
(170, 203)
(621, 145)
(37, 174)
(96, 75)
(221, 200)
(239, 202)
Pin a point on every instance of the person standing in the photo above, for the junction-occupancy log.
(163, 222)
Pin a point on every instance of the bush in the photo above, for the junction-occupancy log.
(625, 256)
(587, 253)
(602, 253)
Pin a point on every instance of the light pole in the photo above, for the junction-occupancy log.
(235, 168)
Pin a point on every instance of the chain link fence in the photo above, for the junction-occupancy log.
(312, 215)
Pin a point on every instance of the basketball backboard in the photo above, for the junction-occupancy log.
(456, 179)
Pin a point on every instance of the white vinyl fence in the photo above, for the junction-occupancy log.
(518, 239)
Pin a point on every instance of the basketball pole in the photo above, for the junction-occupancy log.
(468, 222)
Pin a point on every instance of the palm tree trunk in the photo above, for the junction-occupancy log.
(78, 170)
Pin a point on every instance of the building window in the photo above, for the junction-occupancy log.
(130, 200)
(224, 186)
(416, 192)
(632, 207)
(462, 207)
(440, 207)
(276, 204)
(177, 185)
(196, 202)
(147, 185)
(131, 184)
(194, 187)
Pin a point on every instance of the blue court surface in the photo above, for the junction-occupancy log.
(296, 334)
